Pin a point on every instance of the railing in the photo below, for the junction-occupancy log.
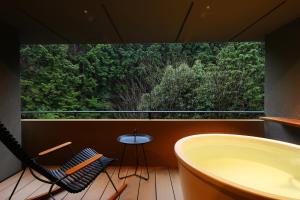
(150, 114)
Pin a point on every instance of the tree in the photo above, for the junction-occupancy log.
(175, 91)
(188, 76)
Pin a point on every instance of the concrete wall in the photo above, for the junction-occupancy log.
(9, 97)
(101, 135)
(282, 85)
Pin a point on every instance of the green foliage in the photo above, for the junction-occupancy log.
(176, 90)
(190, 76)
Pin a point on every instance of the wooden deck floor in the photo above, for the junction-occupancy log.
(163, 185)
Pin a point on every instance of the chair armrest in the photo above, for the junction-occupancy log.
(54, 148)
(83, 164)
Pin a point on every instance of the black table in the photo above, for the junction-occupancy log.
(136, 139)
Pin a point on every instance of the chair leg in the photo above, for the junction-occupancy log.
(118, 190)
(50, 192)
(110, 180)
(12, 193)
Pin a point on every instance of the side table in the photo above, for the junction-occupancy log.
(136, 139)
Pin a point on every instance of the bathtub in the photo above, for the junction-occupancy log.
(227, 167)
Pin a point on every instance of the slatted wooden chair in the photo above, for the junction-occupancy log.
(73, 176)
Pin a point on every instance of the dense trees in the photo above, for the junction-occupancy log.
(191, 76)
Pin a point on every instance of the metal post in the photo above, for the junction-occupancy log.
(149, 115)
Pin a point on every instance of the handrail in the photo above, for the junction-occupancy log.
(148, 112)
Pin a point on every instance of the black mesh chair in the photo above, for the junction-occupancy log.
(73, 176)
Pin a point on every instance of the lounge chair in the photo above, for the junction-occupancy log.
(73, 176)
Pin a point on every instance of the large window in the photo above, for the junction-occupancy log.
(191, 80)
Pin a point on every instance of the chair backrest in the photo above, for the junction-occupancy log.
(12, 144)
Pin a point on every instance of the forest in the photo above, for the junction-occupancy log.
(130, 77)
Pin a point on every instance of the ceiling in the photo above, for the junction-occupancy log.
(126, 21)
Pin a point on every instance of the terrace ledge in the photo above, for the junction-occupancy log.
(144, 120)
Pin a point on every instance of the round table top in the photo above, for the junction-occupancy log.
(135, 138)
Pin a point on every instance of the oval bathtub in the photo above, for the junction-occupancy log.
(226, 167)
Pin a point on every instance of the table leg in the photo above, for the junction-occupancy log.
(122, 159)
(137, 163)
(146, 163)
(137, 158)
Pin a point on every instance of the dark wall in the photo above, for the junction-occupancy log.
(102, 136)
(282, 85)
(9, 96)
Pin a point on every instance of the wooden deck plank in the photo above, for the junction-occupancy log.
(147, 189)
(99, 185)
(131, 192)
(26, 179)
(109, 189)
(11, 180)
(27, 190)
(76, 196)
(61, 195)
(163, 184)
(33, 188)
(176, 184)
(42, 189)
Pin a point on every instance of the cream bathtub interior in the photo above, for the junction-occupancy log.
(238, 167)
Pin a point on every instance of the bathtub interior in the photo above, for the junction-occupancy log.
(263, 165)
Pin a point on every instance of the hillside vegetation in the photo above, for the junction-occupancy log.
(191, 76)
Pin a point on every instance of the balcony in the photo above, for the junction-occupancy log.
(275, 24)
(101, 134)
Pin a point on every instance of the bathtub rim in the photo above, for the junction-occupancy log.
(221, 184)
